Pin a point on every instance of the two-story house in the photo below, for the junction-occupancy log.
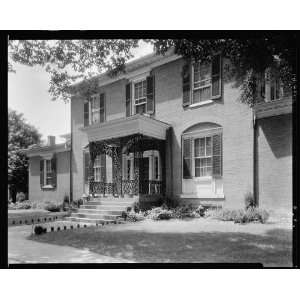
(174, 127)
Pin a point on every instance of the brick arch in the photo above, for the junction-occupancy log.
(201, 126)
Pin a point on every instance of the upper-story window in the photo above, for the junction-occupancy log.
(202, 82)
(140, 97)
(94, 110)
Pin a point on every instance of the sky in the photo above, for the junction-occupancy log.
(28, 94)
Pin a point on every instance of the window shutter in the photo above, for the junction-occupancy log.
(102, 108)
(187, 158)
(216, 73)
(54, 172)
(217, 155)
(150, 94)
(86, 113)
(128, 100)
(186, 85)
(86, 166)
(42, 172)
(103, 164)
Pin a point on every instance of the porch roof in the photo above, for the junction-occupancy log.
(137, 124)
(40, 150)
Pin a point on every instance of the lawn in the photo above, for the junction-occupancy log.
(180, 241)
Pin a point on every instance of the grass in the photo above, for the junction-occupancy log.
(273, 247)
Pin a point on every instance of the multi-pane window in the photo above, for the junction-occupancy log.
(275, 89)
(48, 173)
(206, 80)
(99, 168)
(140, 97)
(202, 82)
(203, 156)
(97, 108)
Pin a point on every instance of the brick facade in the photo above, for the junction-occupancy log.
(234, 117)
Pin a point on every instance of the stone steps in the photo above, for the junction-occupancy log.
(102, 210)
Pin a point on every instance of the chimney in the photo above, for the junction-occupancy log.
(51, 140)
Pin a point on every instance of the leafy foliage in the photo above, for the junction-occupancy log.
(21, 135)
(249, 56)
(69, 60)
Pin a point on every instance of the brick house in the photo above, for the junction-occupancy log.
(172, 127)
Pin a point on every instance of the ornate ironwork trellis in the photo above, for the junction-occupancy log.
(137, 144)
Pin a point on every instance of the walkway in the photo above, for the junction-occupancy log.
(21, 250)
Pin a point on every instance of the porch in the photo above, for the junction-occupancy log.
(127, 162)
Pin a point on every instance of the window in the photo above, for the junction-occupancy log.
(203, 156)
(99, 168)
(96, 110)
(48, 173)
(275, 89)
(206, 80)
(140, 98)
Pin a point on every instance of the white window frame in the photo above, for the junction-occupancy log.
(98, 110)
(201, 87)
(205, 156)
(195, 135)
(45, 172)
(99, 168)
(133, 95)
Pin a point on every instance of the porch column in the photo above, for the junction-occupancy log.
(117, 169)
(137, 154)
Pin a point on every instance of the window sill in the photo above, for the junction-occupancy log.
(201, 103)
(47, 187)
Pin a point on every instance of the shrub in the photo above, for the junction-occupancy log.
(249, 200)
(20, 197)
(39, 230)
(135, 217)
(52, 207)
(239, 215)
(159, 213)
(23, 205)
(136, 207)
(78, 202)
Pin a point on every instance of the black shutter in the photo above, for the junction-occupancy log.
(217, 155)
(102, 108)
(186, 85)
(216, 76)
(53, 171)
(42, 172)
(187, 158)
(150, 94)
(86, 166)
(128, 100)
(86, 113)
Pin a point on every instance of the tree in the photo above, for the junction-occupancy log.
(21, 135)
(69, 60)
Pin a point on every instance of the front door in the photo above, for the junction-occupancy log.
(144, 176)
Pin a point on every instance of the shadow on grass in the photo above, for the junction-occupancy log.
(273, 249)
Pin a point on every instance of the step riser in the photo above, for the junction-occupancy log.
(89, 216)
(108, 203)
(105, 207)
(99, 211)
(99, 221)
